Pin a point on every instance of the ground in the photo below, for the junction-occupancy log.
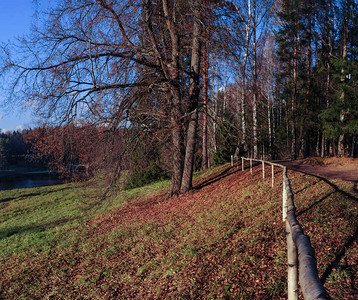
(223, 240)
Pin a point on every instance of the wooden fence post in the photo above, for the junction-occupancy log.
(292, 274)
(250, 165)
(263, 169)
(232, 160)
(242, 163)
(272, 175)
(284, 201)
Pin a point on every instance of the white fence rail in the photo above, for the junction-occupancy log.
(300, 254)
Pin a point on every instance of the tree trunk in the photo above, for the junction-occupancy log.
(294, 96)
(204, 161)
(194, 92)
(301, 142)
(254, 125)
(215, 108)
(241, 144)
(353, 144)
(255, 93)
(306, 152)
(269, 127)
(317, 152)
(177, 152)
(340, 148)
(323, 146)
(176, 104)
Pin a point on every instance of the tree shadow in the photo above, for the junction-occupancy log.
(339, 255)
(234, 169)
(355, 187)
(7, 200)
(336, 188)
(27, 195)
(306, 187)
(314, 204)
(21, 197)
(35, 228)
(217, 177)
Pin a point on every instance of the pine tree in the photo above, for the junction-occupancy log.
(340, 118)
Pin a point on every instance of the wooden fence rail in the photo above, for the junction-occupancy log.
(300, 254)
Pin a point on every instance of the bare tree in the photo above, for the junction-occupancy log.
(94, 57)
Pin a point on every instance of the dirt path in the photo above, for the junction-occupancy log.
(346, 172)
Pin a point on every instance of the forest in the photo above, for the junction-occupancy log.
(154, 89)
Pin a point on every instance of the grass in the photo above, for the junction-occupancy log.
(225, 239)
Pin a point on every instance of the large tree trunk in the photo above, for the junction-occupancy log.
(194, 92)
(176, 103)
(177, 152)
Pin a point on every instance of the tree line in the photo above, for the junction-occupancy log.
(13, 148)
(179, 85)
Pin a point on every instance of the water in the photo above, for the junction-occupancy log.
(27, 180)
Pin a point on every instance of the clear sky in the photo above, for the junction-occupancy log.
(16, 17)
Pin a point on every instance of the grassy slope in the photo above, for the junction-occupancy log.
(224, 239)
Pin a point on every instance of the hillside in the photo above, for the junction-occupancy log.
(225, 239)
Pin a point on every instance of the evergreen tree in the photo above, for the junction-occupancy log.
(340, 118)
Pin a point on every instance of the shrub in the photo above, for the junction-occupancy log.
(141, 177)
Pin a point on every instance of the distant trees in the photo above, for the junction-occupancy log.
(73, 151)
(14, 149)
(3, 153)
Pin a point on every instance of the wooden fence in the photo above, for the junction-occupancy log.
(302, 266)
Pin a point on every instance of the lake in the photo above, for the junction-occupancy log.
(27, 180)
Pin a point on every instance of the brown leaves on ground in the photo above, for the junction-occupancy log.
(225, 239)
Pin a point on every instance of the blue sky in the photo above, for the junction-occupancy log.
(16, 17)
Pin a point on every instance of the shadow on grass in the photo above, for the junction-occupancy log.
(27, 195)
(6, 200)
(314, 204)
(339, 255)
(336, 188)
(306, 187)
(35, 228)
(216, 178)
(227, 172)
